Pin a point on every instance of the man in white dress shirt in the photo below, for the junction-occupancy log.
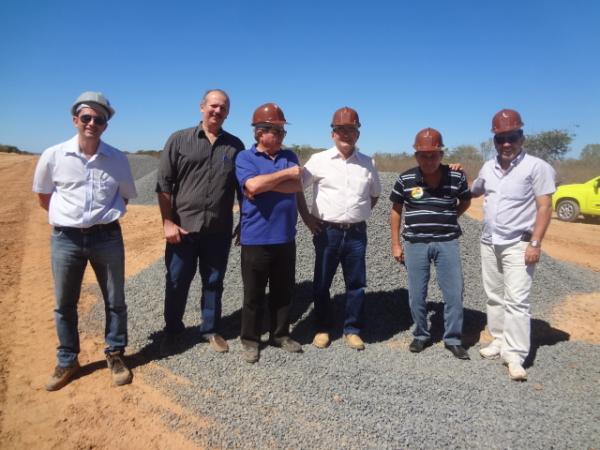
(84, 184)
(346, 187)
(517, 209)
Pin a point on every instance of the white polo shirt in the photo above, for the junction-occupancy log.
(342, 188)
(84, 192)
(509, 203)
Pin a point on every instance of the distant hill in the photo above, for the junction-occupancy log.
(13, 149)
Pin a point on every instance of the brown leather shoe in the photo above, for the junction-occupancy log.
(217, 343)
(61, 376)
(354, 341)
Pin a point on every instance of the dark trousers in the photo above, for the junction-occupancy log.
(274, 265)
(207, 253)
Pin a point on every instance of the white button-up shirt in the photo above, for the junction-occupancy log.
(84, 192)
(509, 203)
(342, 188)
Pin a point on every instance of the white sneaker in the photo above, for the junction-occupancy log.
(492, 351)
(516, 372)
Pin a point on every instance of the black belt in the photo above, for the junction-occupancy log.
(93, 229)
(341, 226)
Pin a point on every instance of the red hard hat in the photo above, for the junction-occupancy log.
(428, 140)
(506, 120)
(268, 113)
(345, 116)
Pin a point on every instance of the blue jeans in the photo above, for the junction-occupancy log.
(446, 257)
(348, 247)
(71, 250)
(208, 253)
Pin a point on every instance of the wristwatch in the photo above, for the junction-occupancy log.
(535, 244)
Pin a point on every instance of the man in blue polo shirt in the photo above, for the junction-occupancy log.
(434, 196)
(270, 177)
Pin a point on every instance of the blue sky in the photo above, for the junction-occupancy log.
(403, 65)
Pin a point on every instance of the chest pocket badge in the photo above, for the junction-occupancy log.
(417, 193)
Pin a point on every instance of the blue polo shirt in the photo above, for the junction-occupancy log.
(271, 217)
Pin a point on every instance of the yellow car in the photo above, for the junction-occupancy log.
(571, 200)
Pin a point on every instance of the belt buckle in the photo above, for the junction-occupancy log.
(345, 226)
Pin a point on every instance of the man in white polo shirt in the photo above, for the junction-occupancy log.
(517, 209)
(84, 184)
(346, 187)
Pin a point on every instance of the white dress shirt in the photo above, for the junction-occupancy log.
(84, 192)
(509, 203)
(342, 188)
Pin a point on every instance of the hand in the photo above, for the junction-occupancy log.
(295, 172)
(398, 253)
(455, 166)
(236, 235)
(248, 195)
(532, 255)
(173, 232)
(313, 224)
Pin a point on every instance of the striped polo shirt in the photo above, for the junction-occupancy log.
(430, 213)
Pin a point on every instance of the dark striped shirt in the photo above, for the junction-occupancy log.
(200, 177)
(430, 213)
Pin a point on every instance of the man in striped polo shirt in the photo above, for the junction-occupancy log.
(434, 196)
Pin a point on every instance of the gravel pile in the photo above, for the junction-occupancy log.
(383, 397)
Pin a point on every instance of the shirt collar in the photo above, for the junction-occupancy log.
(445, 174)
(335, 153)
(264, 154)
(73, 147)
(512, 164)
(200, 133)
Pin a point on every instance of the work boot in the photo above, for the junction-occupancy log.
(354, 341)
(288, 344)
(250, 353)
(120, 373)
(61, 376)
(170, 344)
(217, 343)
(321, 340)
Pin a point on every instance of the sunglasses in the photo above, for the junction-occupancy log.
(344, 130)
(98, 120)
(510, 138)
(275, 131)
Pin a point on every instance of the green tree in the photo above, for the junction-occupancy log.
(549, 145)
(464, 153)
(591, 153)
(488, 151)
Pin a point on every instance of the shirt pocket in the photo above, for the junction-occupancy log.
(105, 188)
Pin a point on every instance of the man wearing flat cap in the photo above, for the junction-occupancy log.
(85, 184)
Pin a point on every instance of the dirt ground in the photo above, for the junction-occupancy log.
(89, 413)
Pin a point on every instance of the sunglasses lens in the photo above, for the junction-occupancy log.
(98, 120)
(511, 138)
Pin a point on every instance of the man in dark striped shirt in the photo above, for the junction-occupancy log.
(196, 188)
(433, 196)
